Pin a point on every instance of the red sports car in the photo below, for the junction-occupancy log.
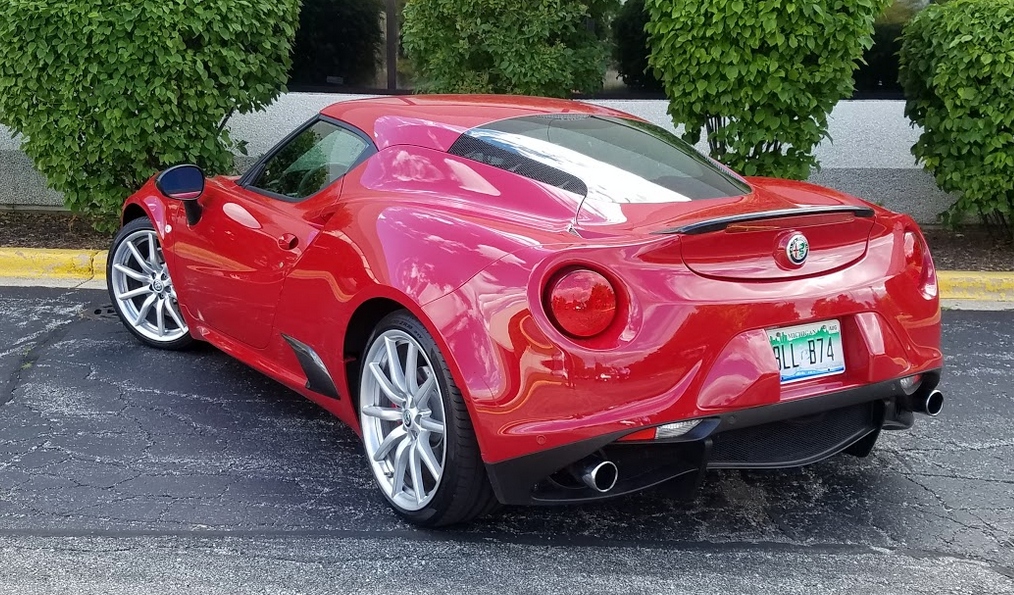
(530, 301)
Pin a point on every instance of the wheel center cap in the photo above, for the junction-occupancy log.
(157, 286)
(406, 418)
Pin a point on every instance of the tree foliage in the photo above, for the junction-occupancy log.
(337, 38)
(957, 68)
(760, 76)
(106, 93)
(536, 47)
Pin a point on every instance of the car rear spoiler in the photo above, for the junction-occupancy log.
(721, 223)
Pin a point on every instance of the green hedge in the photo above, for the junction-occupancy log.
(340, 39)
(106, 93)
(760, 76)
(957, 67)
(536, 47)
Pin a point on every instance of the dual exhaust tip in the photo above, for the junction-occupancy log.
(930, 404)
(598, 474)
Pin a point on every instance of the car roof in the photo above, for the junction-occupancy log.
(436, 121)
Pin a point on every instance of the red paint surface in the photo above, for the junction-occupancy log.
(469, 250)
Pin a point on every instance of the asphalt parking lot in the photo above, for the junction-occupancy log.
(126, 469)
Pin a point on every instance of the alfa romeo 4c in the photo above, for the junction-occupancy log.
(530, 301)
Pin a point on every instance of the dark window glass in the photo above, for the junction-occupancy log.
(311, 161)
(491, 154)
(617, 160)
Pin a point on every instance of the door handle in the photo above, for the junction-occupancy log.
(288, 241)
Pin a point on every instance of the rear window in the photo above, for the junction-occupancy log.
(600, 158)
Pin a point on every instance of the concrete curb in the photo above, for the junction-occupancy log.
(43, 263)
(85, 265)
(976, 285)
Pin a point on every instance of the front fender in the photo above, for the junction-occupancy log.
(153, 205)
(157, 211)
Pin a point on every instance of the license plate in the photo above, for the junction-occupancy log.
(808, 350)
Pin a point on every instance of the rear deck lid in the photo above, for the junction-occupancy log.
(777, 245)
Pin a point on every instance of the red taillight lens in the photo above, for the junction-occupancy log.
(913, 253)
(581, 302)
(919, 264)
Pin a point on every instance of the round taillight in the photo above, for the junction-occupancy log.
(919, 263)
(913, 253)
(581, 302)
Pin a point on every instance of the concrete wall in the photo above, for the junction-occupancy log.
(868, 154)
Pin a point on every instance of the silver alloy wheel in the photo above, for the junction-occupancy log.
(401, 410)
(143, 290)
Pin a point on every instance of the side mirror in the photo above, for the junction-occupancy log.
(181, 182)
(186, 183)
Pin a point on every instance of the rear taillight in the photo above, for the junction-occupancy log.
(913, 253)
(919, 264)
(581, 302)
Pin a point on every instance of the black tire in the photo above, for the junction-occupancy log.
(131, 229)
(464, 492)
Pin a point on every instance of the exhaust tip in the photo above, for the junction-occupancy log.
(933, 404)
(601, 476)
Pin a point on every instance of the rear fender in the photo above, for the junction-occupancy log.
(372, 249)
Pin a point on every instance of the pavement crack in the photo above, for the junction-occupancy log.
(30, 356)
(962, 477)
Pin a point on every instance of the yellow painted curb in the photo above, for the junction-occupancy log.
(99, 265)
(976, 285)
(41, 263)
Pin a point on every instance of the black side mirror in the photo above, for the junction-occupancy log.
(186, 183)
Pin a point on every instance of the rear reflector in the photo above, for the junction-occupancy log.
(645, 434)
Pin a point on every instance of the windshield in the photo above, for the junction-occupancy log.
(600, 158)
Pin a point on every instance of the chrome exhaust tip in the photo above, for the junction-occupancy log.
(600, 475)
(931, 404)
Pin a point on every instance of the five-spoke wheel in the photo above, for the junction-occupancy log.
(142, 290)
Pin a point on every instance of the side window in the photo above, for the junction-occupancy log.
(311, 161)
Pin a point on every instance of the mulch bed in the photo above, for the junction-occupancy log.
(969, 249)
(50, 230)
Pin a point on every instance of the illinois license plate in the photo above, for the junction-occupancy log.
(808, 350)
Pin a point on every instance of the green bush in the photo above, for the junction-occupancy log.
(631, 47)
(957, 67)
(106, 93)
(760, 76)
(536, 47)
(337, 38)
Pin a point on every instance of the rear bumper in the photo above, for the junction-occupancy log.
(787, 434)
